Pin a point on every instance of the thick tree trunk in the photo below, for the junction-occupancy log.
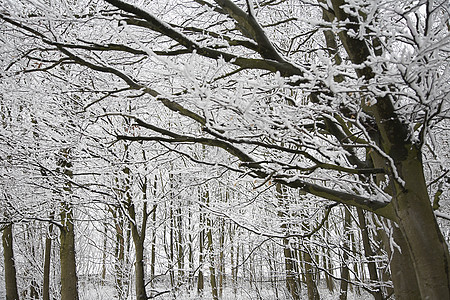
(69, 280)
(417, 223)
(139, 270)
(402, 269)
(10, 268)
(291, 265)
(313, 291)
(138, 239)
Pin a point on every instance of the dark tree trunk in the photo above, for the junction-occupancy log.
(47, 265)
(345, 272)
(10, 267)
(69, 280)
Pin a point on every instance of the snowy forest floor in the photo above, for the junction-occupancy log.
(90, 291)
(95, 291)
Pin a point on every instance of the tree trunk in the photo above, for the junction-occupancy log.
(47, 259)
(345, 249)
(402, 269)
(233, 258)
(138, 239)
(370, 256)
(69, 280)
(119, 252)
(417, 223)
(10, 268)
(221, 257)
(292, 283)
(313, 291)
(212, 268)
(200, 281)
(190, 249)
(180, 245)
(153, 247)
(139, 269)
(291, 264)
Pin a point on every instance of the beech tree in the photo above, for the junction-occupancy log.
(343, 100)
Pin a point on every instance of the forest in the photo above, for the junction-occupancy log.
(224, 149)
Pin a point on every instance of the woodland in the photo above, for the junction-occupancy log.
(224, 149)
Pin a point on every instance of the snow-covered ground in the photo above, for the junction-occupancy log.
(98, 292)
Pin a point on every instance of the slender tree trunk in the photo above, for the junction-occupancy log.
(138, 238)
(190, 249)
(328, 263)
(29, 236)
(212, 269)
(10, 268)
(345, 249)
(104, 254)
(201, 256)
(119, 253)
(370, 256)
(221, 257)
(153, 247)
(180, 245)
(200, 280)
(47, 258)
(291, 264)
(171, 248)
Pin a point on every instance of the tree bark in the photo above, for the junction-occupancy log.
(10, 267)
(212, 268)
(200, 280)
(69, 279)
(47, 260)
(313, 291)
(417, 223)
(139, 269)
(138, 239)
(291, 264)
(369, 254)
(345, 249)
(402, 269)
(119, 252)
(153, 247)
